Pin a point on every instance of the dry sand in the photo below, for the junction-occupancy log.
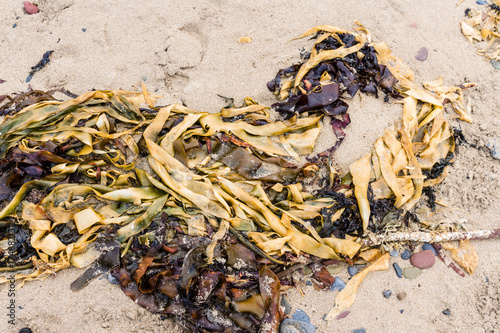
(188, 52)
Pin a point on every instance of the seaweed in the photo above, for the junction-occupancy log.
(41, 64)
(325, 86)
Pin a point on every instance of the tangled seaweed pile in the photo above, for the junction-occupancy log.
(208, 217)
(484, 26)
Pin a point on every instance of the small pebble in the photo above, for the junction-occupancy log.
(424, 259)
(387, 293)
(84, 29)
(30, 8)
(300, 315)
(359, 330)
(352, 270)
(307, 270)
(25, 330)
(394, 253)
(422, 54)
(294, 326)
(401, 311)
(399, 271)
(339, 284)
(481, 2)
(493, 145)
(447, 312)
(343, 314)
(285, 304)
(401, 295)
(15, 25)
(406, 255)
(411, 272)
(428, 246)
(496, 64)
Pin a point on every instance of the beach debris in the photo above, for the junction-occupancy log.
(428, 246)
(481, 26)
(286, 305)
(300, 315)
(295, 326)
(245, 40)
(41, 64)
(422, 54)
(411, 272)
(493, 144)
(495, 64)
(400, 296)
(30, 8)
(435, 237)
(447, 312)
(338, 284)
(387, 293)
(481, 2)
(341, 315)
(359, 330)
(465, 255)
(214, 215)
(442, 256)
(2, 81)
(394, 253)
(346, 297)
(424, 259)
(352, 270)
(406, 254)
(398, 270)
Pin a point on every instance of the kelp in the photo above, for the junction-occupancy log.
(199, 215)
(484, 26)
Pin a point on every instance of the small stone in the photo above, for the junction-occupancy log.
(30, 8)
(496, 64)
(285, 304)
(387, 293)
(300, 315)
(14, 25)
(307, 270)
(401, 295)
(359, 330)
(424, 259)
(483, 126)
(25, 330)
(339, 284)
(481, 2)
(394, 253)
(401, 311)
(84, 29)
(411, 272)
(422, 54)
(428, 246)
(406, 255)
(294, 326)
(447, 312)
(352, 270)
(493, 145)
(399, 271)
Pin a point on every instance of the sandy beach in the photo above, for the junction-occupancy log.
(189, 53)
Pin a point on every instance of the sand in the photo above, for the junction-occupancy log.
(188, 52)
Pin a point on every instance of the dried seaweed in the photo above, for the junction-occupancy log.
(208, 210)
(41, 64)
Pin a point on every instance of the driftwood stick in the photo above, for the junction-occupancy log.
(427, 237)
